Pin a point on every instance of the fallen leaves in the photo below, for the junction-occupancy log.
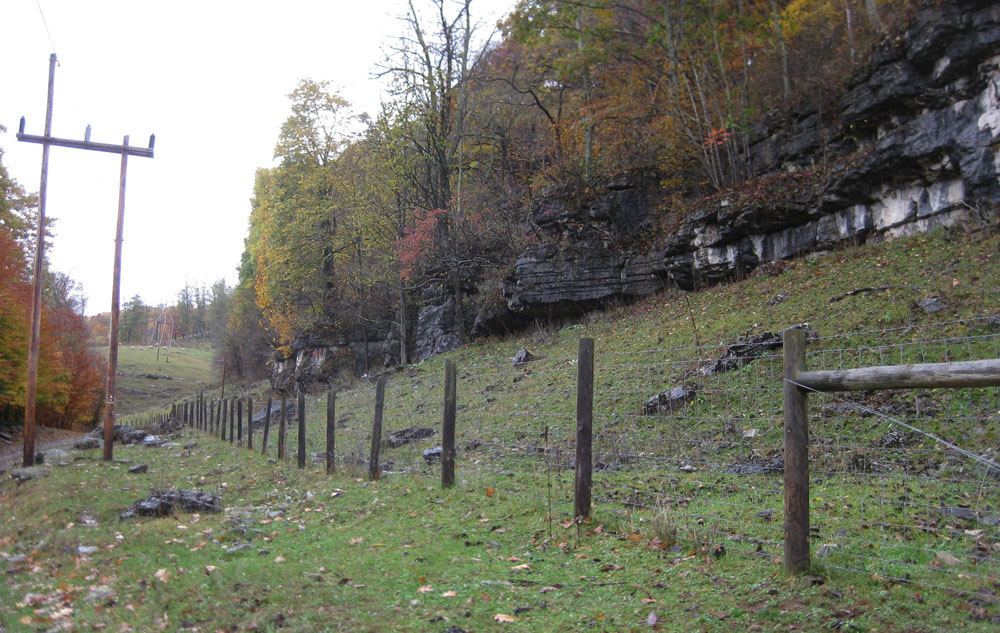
(162, 575)
(503, 617)
(425, 589)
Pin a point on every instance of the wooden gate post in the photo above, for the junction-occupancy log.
(448, 427)
(584, 427)
(331, 426)
(796, 455)
(373, 469)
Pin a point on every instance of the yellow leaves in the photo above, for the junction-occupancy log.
(162, 575)
(425, 589)
(503, 617)
(448, 594)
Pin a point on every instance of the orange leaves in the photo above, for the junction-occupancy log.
(716, 137)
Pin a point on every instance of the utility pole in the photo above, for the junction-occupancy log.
(46, 141)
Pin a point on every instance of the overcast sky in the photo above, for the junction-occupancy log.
(210, 78)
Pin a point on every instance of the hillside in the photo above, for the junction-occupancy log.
(685, 530)
(145, 382)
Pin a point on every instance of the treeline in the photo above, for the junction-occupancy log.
(199, 313)
(364, 218)
(70, 377)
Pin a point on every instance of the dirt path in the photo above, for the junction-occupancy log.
(46, 439)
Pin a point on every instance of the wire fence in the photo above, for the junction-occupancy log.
(688, 448)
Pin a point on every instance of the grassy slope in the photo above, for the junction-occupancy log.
(349, 555)
(190, 370)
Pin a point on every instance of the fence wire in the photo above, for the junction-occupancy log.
(688, 448)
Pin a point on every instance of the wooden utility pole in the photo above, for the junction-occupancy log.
(46, 141)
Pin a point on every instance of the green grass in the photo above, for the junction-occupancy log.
(672, 533)
(179, 375)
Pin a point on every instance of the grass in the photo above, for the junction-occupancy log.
(145, 382)
(675, 543)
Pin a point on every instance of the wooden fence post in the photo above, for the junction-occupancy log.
(222, 420)
(331, 426)
(281, 428)
(448, 427)
(300, 411)
(232, 420)
(584, 426)
(250, 423)
(373, 469)
(239, 421)
(796, 455)
(267, 427)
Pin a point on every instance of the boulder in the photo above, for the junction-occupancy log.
(523, 357)
(432, 455)
(406, 436)
(87, 443)
(670, 401)
(22, 475)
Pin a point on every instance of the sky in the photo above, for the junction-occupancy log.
(210, 79)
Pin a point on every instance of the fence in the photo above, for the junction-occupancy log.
(689, 444)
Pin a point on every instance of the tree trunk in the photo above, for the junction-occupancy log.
(404, 338)
(786, 89)
(874, 16)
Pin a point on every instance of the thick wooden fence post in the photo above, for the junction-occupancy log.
(239, 421)
(373, 469)
(448, 427)
(584, 426)
(250, 423)
(281, 428)
(796, 455)
(267, 427)
(300, 411)
(232, 420)
(331, 426)
(222, 420)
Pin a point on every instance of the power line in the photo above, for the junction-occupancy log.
(41, 13)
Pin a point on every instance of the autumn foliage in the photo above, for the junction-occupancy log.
(70, 377)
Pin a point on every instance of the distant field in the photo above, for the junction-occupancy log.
(146, 383)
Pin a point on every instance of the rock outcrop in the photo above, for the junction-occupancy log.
(911, 146)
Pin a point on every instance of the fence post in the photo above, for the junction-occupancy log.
(331, 425)
(584, 426)
(222, 420)
(448, 427)
(281, 428)
(796, 455)
(232, 420)
(267, 427)
(239, 421)
(373, 469)
(300, 411)
(249, 422)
